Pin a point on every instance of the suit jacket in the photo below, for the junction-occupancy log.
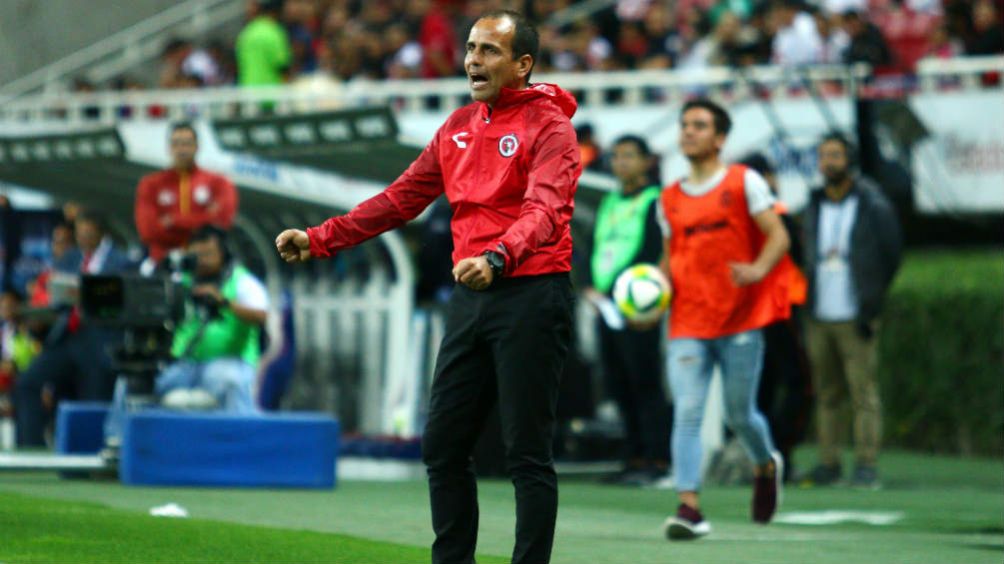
(876, 246)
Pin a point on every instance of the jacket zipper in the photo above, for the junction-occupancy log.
(481, 139)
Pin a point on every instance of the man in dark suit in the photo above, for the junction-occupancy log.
(74, 360)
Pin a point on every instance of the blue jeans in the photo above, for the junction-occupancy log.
(690, 363)
(229, 380)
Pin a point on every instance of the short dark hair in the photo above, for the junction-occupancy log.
(637, 142)
(92, 216)
(270, 6)
(216, 233)
(836, 136)
(184, 125)
(209, 231)
(174, 44)
(525, 39)
(723, 123)
(849, 151)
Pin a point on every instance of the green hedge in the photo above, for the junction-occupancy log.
(941, 354)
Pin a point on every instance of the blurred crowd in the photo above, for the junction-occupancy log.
(286, 41)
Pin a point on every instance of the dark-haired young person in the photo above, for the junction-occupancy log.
(172, 204)
(509, 166)
(722, 241)
(627, 233)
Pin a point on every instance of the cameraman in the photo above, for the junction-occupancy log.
(221, 358)
(216, 346)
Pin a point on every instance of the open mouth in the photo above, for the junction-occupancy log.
(478, 80)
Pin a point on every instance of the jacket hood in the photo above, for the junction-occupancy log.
(563, 99)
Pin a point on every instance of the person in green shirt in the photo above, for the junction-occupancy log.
(263, 51)
(627, 233)
(216, 345)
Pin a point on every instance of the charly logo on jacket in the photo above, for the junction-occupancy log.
(458, 139)
(508, 145)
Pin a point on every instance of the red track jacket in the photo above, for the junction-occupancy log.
(509, 172)
(192, 200)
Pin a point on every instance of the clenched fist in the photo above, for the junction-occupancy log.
(293, 245)
(474, 273)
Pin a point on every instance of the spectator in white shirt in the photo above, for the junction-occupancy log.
(797, 40)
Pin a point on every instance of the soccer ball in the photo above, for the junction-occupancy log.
(642, 293)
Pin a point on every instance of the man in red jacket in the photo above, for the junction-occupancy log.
(509, 165)
(174, 203)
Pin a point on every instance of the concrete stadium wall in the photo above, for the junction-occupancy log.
(34, 33)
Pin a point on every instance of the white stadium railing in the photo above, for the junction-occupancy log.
(967, 71)
(593, 89)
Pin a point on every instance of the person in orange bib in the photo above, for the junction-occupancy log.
(722, 239)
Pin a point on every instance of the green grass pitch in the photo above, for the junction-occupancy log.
(951, 512)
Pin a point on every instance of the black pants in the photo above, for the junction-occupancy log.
(78, 366)
(508, 345)
(785, 394)
(632, 371)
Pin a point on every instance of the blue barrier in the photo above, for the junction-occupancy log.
(208, 449)
(80, 427)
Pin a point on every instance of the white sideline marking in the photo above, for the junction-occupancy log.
(835, 516)
(49, 461)
(381, 470)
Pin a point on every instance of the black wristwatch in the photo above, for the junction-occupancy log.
(497, 263)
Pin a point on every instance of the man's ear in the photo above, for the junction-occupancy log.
(524, 66)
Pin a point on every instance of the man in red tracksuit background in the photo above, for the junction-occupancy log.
(174, 203)
(509, 164)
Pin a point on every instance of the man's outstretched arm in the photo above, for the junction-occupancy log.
(399, 203)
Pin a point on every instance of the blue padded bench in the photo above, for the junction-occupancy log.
(80, 427)
(207, 449)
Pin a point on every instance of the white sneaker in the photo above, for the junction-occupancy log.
(195, 399)
(687, 524)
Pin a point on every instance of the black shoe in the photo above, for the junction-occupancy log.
(866, 477)
(767, 492)
(823, 475)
